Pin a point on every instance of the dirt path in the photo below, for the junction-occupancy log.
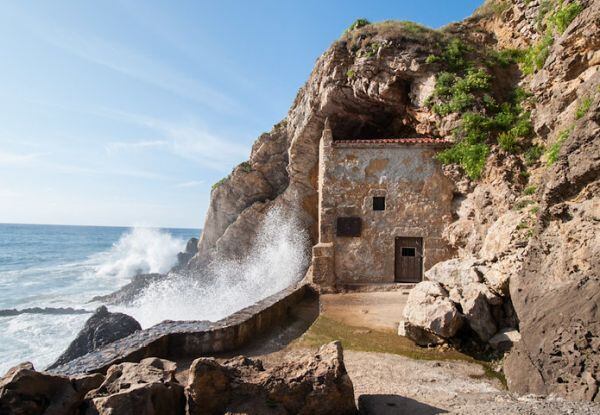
(376, 310)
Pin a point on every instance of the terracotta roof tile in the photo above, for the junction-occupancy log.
(413, 140)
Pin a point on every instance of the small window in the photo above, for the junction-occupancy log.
(408, 252)
(351, 226)
(379, 203)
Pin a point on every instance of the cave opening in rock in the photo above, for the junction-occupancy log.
(369, 118)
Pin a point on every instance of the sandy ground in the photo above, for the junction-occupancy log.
(376, 310)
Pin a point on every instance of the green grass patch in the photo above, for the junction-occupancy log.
(554, 149)
(246, 167)
(533, 154)
(350, 74)
(564, 15)
(358, 23)
(325, 330)
(529, 190)
(583, 108)
(219, 183)
(533, 59)
(522, 204)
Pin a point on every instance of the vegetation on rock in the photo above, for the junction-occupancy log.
(464, 88)
(553, 19)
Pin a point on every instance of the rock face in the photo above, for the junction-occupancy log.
(145, 388)
(101, 328)
(312, 384)
(23, 391)
(129, 292)
(530, 260)
(191, 249)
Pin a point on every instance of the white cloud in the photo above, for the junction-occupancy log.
(135, 65)
(188, 140)
(6, 193)
(133, 145)
(191, 183)
(17, 159)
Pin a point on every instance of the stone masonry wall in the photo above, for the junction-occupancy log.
(190, 339)
(418, 204)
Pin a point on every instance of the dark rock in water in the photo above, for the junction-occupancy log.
(100, 329)
(191, 249)
(129, 292)
(46, 310)
(145, 388)
(25, 391)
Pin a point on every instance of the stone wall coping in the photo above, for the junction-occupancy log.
(392, 142)
(181, 339)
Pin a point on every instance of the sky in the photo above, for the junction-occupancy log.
(125, 113)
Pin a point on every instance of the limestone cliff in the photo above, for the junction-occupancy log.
(526, 199)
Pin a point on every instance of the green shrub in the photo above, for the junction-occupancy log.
(554, 149)
(350, 73)
(371, 50)
(508, 142)
(564, 15)
(246, 167)
(534, 58)
(219, 183)
(534, 210)
(471, 157)
(583, 108)
(544, 9)
(358, 23)
(529, 190)
(504, 57)
(521, 204)
(533, 154)
(453, 56)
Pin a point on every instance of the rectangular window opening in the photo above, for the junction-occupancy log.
(408, 252)
(350, 226)
(379, 203)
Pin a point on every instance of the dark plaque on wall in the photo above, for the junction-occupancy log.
(350, 226)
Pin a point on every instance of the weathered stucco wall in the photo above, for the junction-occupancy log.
(418, 204)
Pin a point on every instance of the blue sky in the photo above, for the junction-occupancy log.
(126, 112)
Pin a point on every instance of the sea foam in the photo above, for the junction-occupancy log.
(277, 259)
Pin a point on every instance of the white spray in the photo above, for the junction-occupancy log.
(277, 260)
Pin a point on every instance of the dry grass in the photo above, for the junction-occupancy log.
(389, 31)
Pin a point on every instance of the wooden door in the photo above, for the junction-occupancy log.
(409, 259)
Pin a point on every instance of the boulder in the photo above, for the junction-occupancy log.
(477, 312)
(505, 339)
(191, 249)
(129, 292)
(314, 383)
(23, 391)
(145, 388)
(101, 328)
(429, 307)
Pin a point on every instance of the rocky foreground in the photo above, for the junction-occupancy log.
(315, 383)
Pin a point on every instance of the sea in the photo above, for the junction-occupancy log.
(66, 266)
(57, 267)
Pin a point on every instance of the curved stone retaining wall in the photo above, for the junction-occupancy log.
(189, 339)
